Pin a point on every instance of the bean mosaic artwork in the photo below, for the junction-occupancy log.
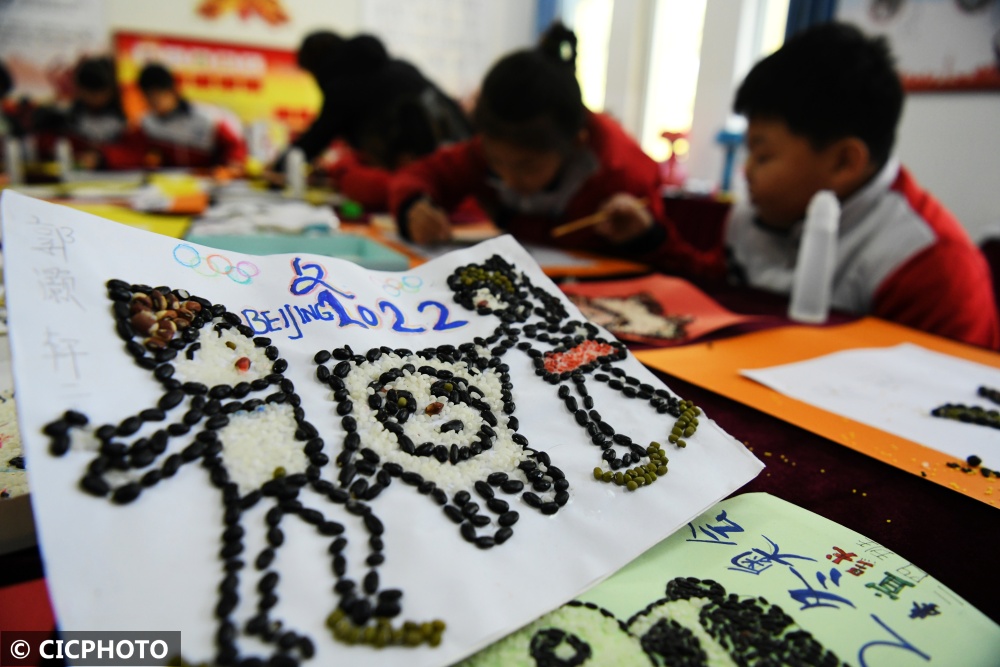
(972, 414)
(634, 315)
(696, 623)
(440, 420)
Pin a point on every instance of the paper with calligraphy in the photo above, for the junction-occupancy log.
(756, 580)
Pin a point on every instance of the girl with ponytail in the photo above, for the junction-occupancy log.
(540, 159)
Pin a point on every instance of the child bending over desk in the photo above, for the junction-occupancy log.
(822, 114)
(96, 123)
(540, 159)
(181, 134)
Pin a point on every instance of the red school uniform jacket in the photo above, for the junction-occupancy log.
(192, 137)
(901, 256)
(612, 163)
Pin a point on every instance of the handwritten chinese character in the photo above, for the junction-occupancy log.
(880, 553)
(53, 240)
(719, 533)
(64, 353)
(924, 610)
(891, 586)
(839, 555)
(912, 573)
(756, 561)
(58, 286)
(810, 597)
(860, 567)
(902, 643)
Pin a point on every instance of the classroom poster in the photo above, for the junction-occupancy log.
(293, 456)
(757, 580)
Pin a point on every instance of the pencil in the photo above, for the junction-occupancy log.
(584, 222)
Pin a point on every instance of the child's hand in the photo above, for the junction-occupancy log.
(89, 160)
(626, 219)
(428, 224)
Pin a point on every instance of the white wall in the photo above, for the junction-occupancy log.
(951, 144)
(727, 54)
(454, 42)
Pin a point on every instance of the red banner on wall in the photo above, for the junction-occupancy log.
(254, 83)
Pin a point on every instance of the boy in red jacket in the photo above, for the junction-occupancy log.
(180, 134)
(822, 114)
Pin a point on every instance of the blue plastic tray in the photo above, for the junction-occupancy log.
(358, 249)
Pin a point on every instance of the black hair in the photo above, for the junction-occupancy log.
(531, 98)
(559, 43)
(155, 76)
(95, 74)
(6, 81)
(360, 55)
(828, 83)
(316, 49)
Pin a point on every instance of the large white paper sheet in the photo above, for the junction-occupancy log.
(154, 563)
(895, 389)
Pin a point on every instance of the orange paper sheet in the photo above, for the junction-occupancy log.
(716, 366)
(675, 296)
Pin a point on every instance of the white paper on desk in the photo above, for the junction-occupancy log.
(154, 563)
(895, 389)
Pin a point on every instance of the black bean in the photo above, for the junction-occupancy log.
(503, 535)
(485, 542)
(345, 407)
(532, 499)
(512, 486)
(279, 366)
(217, 422)
(129, 426)
(127, 493)
(508, 518)
(497, 478)
(268, 582)
(373, 524)
(453, 425)
(194, 388)
(549, 508)
(95, 485)
(322, 357)
(468, 532)
(342, 369)
(171, 399)
(275, 537)
(152, 415)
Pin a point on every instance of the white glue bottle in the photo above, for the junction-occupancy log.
(14, 161)
(64, 158)
(295, 173)
(813, 282)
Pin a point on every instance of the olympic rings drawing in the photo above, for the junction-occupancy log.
(396, 286)
(215, 265)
